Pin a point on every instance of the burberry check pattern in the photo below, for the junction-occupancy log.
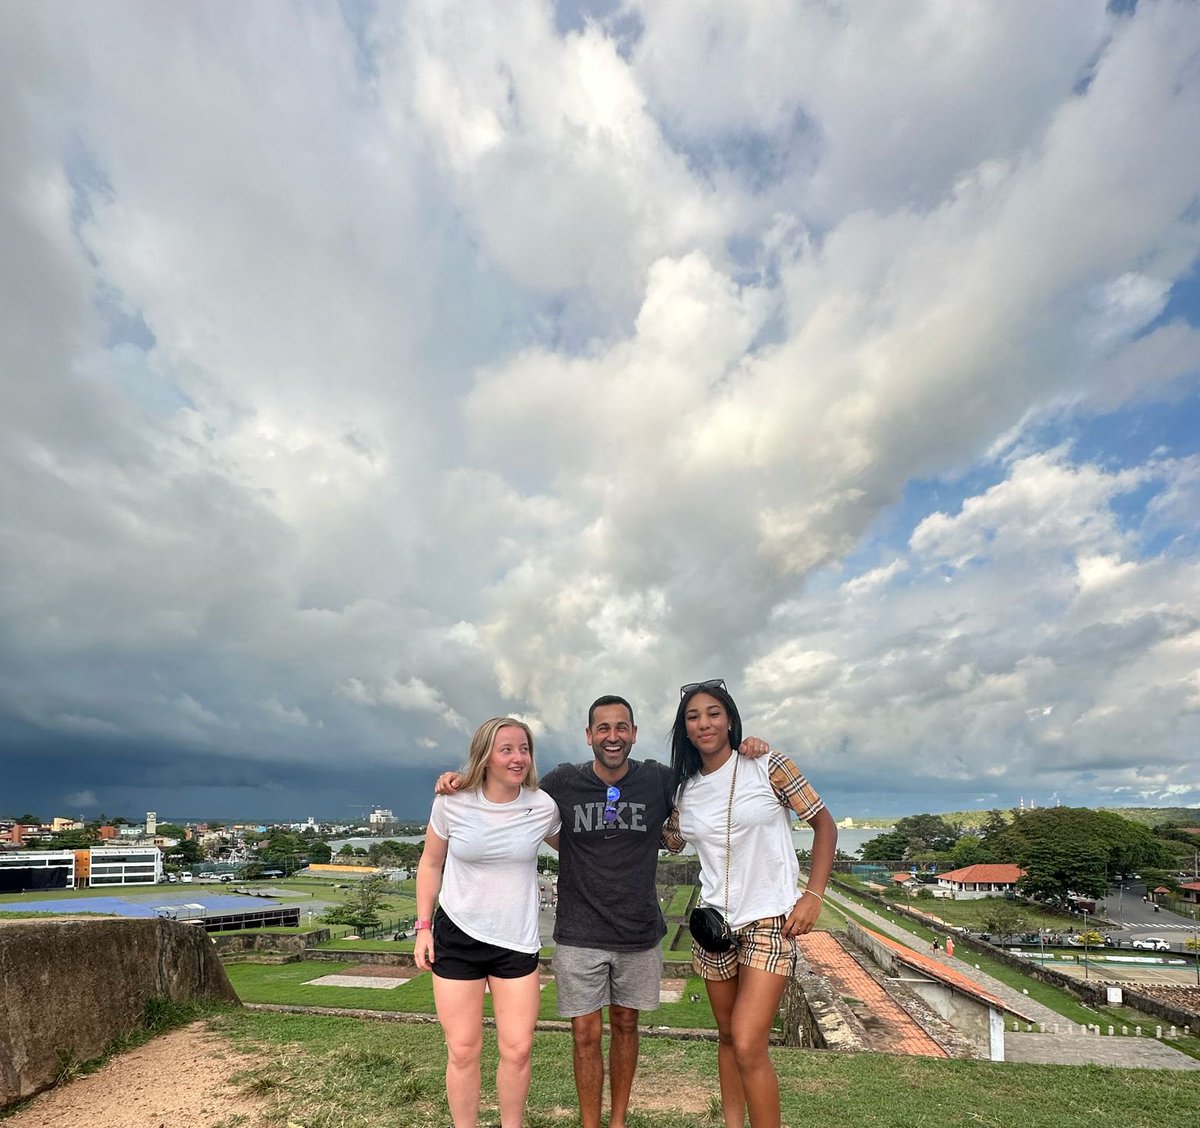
(759, 944)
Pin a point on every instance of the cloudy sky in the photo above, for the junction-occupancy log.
(368, 370)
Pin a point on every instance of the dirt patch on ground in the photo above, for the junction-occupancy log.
(667, 1085)
(380, 971)
(175, 1080)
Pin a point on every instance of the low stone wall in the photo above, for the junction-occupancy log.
(1177, 1005)
(816, 1018)
(343, 955)
(672, 969)
(231, 943)
(69, 987)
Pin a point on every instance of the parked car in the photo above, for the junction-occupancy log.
(1152, 943)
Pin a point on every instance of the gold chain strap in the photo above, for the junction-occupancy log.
(728, 833)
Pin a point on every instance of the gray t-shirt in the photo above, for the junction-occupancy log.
(607, 897)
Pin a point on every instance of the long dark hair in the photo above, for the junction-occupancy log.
(685, 760)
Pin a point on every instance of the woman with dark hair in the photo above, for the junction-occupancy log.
(480, 863)
(738, 813)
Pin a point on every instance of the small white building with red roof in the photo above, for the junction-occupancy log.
(987, 879)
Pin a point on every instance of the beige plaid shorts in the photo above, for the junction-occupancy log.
(759, 944)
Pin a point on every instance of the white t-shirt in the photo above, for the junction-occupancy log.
(763, 871)
(489, 885)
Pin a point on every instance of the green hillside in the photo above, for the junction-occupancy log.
(1148, 816)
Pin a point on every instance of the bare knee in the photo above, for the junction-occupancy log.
(515, 1051)
(622, 1020)
(749, 1052)
(585, 1030)
(464, 1052)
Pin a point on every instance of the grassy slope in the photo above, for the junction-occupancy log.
(328, 1072)
(286, 983)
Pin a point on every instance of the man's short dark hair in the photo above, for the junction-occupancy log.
(608, 699)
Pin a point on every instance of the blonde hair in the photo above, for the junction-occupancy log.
(481, 749)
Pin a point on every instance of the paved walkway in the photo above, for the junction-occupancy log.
(1050, 1048)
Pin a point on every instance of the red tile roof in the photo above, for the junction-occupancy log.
(899, 1032)
(935, 969)
(986, 874)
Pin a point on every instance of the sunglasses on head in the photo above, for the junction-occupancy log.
(712, 683)
(610, 804)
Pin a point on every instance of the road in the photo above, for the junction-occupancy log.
(1136, 918)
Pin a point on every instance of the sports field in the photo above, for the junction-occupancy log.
(145, 902)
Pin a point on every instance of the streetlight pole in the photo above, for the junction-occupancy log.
(1195, 946)
(1085, 944)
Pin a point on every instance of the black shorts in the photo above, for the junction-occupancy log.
(459, 956)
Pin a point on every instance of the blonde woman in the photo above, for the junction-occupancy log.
(480, 863)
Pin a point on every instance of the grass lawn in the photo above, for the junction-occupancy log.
(679, 902)
(286, 983)
(327, 1072)
(970, 914)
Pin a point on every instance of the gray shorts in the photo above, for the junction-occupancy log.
(590, 978)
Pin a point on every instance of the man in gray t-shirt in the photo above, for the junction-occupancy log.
(608, 924)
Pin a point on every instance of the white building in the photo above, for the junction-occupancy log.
(151, 823)
(26, 869)
(380, 815)
(125, 865)
(982, 880)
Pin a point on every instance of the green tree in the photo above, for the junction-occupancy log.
(928, 833)
(282, 849)
(362, 908)
(319, 852)
(169, 830)
(890, 847)
(71, 840)
(29, 820)
(912, 836)
(385, 853)
(187, 852)
(994, 824)
(971, 851)
(1075, 850)
(1003, 919)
